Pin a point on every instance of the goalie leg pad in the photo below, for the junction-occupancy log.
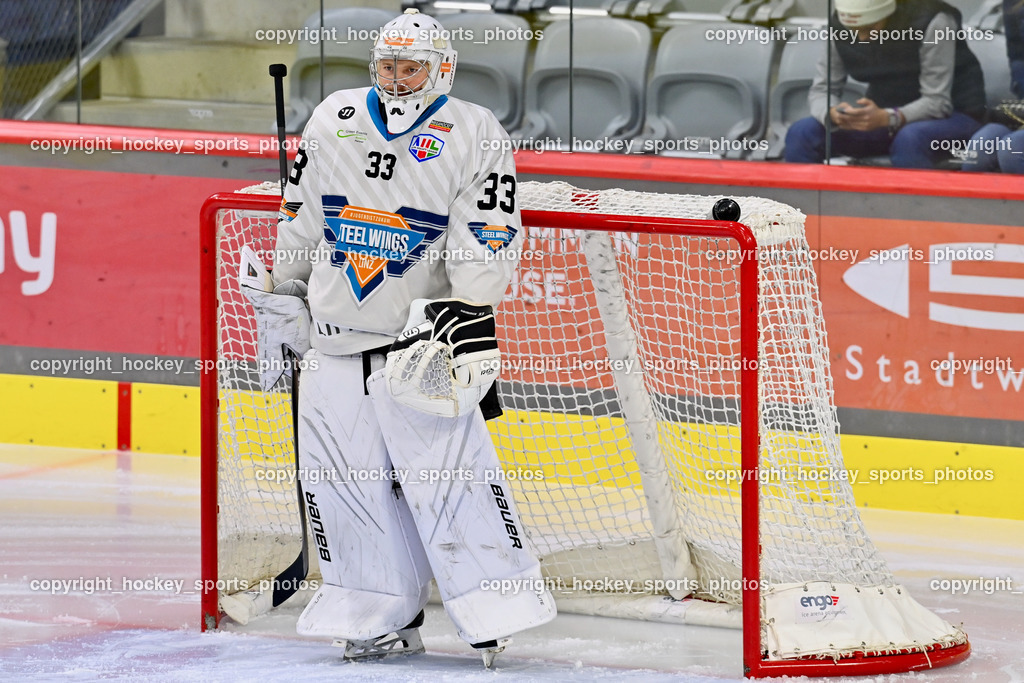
(360, 526)
(466, 518)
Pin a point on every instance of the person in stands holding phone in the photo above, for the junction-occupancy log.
(925, 86)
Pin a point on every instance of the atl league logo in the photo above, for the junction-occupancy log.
(425, 146)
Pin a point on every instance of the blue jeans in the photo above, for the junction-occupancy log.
(995, 148)
(915, 145)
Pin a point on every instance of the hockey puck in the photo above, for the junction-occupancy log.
(726, 210)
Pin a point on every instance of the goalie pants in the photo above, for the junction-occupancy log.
(401, 496)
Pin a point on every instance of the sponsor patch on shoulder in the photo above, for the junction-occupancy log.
(494, 237)
(441, 125)
(288, 211)
(357, 135)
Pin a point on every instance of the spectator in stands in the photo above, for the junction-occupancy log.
(925, 86)
(1000, 146)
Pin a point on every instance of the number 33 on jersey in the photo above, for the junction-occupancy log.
(381, 215)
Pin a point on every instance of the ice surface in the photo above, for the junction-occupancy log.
(116, 521)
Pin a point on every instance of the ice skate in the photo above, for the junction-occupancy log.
(489, 649)
(404, 641)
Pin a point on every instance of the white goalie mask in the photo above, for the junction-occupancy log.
(412, 63)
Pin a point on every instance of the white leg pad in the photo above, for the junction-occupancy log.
(376, 574)
(348, 614)
(467, 522)
(483, 615)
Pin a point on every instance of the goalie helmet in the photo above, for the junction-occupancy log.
(405, 89)
(860, 13)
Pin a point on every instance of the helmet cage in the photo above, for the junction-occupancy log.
(392, 88)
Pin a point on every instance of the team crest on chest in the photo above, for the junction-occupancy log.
(494, 237)
(371, 245)
(425, 147)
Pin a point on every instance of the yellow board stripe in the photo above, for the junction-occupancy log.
(895, 474)
(165, 419)
(56, 411)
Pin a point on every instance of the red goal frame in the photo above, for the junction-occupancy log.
(754, 665)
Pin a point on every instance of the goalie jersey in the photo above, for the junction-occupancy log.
(373, 220)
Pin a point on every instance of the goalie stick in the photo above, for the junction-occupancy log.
(287, 582)
(297, 571)
(279, 71)
(252, 603)
(244, 606)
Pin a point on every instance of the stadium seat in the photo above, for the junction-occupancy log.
(988, 16)
(346, 61)
(492, 74)
(610, 60)
(755, 11)
(968, 8)
(814, 9)
(708, 93)
(663, 15)
(994, 65)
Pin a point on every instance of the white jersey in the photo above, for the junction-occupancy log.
(373, 220)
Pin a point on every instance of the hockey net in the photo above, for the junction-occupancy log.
(669, 429)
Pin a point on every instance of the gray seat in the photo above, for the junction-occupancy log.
(989, 16)
(810, 8)
(545, 11)
(609, 68)
(493, 74)
(703, 91)
(968, 8)
(995, 66)
(346, 59)
(664, 15)
(758, 11)
(788, 99)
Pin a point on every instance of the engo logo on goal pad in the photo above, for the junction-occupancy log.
(884, 280)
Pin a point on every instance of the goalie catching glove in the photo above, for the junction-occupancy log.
(282, 319)
(445, 364)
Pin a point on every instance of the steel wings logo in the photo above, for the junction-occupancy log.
(288, 211)
(371, 245)
(494, 237)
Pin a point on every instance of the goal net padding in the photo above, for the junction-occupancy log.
(669, 427)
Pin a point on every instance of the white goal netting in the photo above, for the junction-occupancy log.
(622, 356)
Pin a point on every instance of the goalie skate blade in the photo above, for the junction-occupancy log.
(490, 649)
(399, 644)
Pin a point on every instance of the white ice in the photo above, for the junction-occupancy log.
(109, 518)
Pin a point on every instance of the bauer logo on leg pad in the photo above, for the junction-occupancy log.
(317, 525)
(506, 515)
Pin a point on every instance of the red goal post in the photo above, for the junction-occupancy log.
(723, 320)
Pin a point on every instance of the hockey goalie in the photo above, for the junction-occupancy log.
(391, 225)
